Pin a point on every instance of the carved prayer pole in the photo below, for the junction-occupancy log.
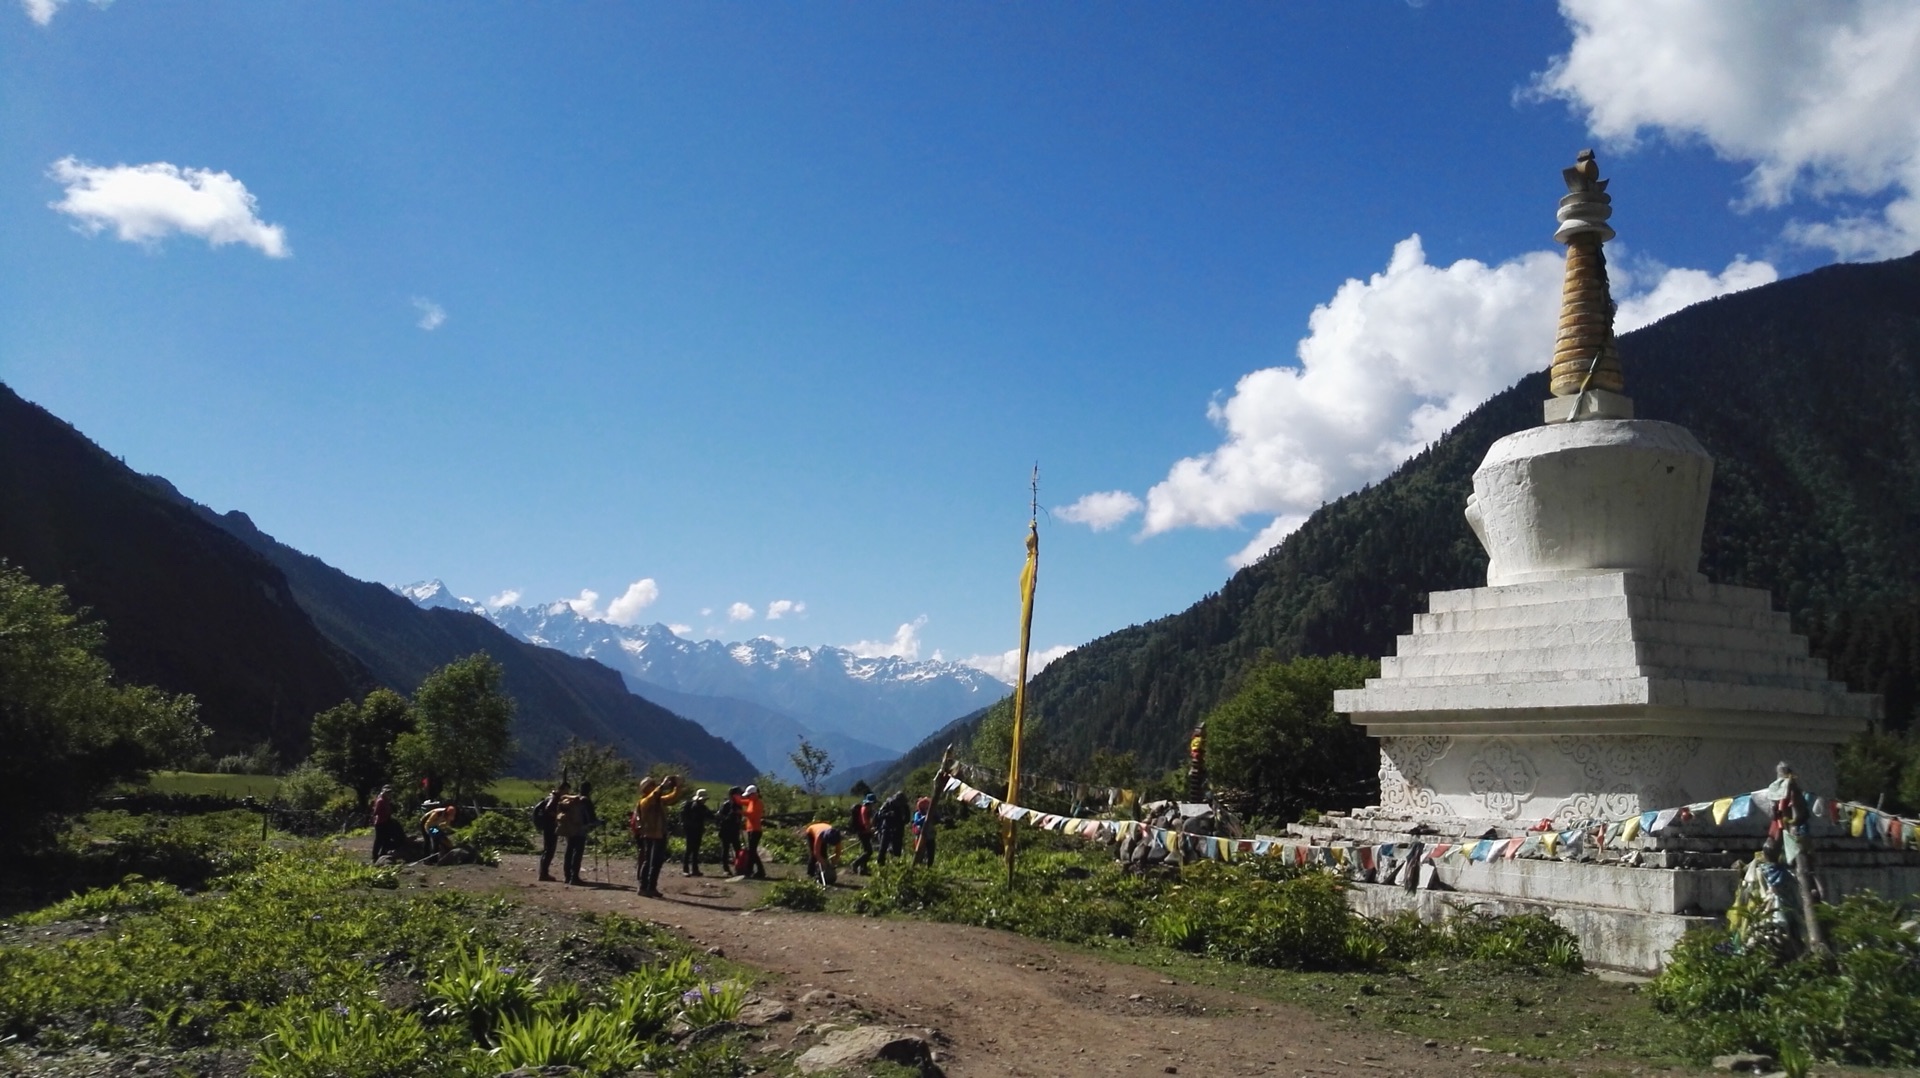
(1584, 357)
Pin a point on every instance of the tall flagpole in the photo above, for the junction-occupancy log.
(1028, 577)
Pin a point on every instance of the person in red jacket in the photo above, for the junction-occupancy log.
(752, 811)
(387, 833)
(863, 821)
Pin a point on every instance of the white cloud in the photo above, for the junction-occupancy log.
(639, 595)
(1006, 665)
(147, 203)
(679, 629)
(740, 612)
(1389, 364)
(42, 11)
(505, 598)
(1819, 98)
(1102, 510)
(904, 645)
(432, 315)
(587, 605)
(780, 608)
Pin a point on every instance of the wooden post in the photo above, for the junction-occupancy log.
(933, 804)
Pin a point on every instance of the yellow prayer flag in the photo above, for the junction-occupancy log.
(1859, 822)
(1720, 810)
(1550, 842)
(1632, 829)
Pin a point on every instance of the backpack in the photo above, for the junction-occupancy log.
(729, 814)
(858, 817)
(542, 813)
(567, 817)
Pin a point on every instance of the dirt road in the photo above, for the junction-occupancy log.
(999, 1004)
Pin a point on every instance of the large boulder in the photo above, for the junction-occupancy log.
(848, 1048)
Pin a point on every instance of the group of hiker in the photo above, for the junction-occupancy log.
(739, 822)
(566, 815)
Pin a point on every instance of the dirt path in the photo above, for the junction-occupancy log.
(999, 1004)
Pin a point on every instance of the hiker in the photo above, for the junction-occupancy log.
(923, 832)
(437, 826)
(891, 822)
(727, 822)
(693, 827)
(863, 821)
(543, 818)
(649, 824)
(573, 817)
(820, 838)
(752, 809)
(387, 835)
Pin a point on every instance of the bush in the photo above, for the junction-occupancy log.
(1862, 1006)
(503, 832)
(796, 895)
(309, 789)
(902, 888)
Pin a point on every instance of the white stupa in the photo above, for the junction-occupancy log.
(1597, 674)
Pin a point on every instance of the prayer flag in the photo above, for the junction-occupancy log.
(1664, 818)
(1630, 830)
(1720, 810)
(1859, 827)
(1742, 807)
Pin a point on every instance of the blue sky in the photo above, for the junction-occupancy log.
(706, 307)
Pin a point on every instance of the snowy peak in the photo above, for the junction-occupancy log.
(885, 700)
(434, 595)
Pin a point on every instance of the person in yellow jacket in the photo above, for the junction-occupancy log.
(649, 824)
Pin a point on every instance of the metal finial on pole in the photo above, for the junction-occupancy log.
(1584, 356)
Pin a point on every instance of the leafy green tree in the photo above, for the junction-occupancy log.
(1278, 739)
(354, 742)
(465, 726)
(603, 765)
(67, 730)
(813, 763)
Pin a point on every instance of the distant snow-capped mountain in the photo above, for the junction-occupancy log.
(887, 701)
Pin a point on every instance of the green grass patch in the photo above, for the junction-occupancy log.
(315, 963)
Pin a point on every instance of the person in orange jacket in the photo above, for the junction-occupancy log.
(752, 811)
(823, 851)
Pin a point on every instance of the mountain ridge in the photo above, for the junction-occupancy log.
(1805, 391)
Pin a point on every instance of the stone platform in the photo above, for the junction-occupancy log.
(1598, 694)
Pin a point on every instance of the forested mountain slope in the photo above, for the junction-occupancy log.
(1806, 392)
(265, 636)
(187, 607)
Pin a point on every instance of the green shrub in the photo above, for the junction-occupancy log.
(476, 991)
(903, 888)
(593, 1041)
(498, 832)
(341, 1042)
(1862, 1006)
(796, 895)
(131, 895)
(308, 788)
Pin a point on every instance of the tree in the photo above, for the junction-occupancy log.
(67, 730)
(465, 726)
(813, 763)
(602, 765)
(1278, 739)
(354, 742)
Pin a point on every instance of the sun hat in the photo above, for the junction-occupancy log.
(750, 791)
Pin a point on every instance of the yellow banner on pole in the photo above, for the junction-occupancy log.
(1029, 576)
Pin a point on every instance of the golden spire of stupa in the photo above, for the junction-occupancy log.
(1584, 357)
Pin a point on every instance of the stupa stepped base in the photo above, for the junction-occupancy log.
(1609, 650)
(1627, 903)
